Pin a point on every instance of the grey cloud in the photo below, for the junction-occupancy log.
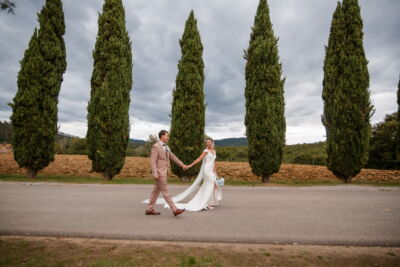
(155, 28)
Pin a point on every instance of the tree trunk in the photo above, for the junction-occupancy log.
(107, 176)
(185, 179)
(347, 180)
(265, 179)
(31, 173)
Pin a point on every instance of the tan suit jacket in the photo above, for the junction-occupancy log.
(160, 160)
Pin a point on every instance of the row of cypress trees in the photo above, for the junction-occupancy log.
(34, 117)
(347, 107)
(34, 107)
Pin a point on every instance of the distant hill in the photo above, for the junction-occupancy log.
(6, 133)
(241, 141)
(67, 135)
(137, 141)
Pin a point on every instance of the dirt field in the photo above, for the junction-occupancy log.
(80, 165)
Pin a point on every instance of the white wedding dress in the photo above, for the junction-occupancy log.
(209, 193)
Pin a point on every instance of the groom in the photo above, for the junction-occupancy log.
(160, 156)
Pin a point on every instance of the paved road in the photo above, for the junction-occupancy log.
(329, 215)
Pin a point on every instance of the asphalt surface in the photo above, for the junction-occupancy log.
(319, 215)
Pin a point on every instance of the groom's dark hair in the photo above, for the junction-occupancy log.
(161, 133)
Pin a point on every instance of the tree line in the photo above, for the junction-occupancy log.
(346, 115)
(382, 153)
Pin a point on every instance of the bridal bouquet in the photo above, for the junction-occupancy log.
(220, 181)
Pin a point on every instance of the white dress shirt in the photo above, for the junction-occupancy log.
(164, 147)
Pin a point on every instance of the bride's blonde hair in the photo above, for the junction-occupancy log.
(212, 141)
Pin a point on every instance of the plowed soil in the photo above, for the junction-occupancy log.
(80, 165)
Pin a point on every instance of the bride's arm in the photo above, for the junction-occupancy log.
(198, 159)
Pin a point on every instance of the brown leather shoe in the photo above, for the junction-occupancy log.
(152, 212)
(178, 211)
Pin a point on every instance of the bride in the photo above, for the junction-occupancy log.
(209, 193)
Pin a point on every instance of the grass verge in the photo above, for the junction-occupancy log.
(56, 251)
(174, 180)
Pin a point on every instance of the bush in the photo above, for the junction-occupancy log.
(383, 154)
(311, 159)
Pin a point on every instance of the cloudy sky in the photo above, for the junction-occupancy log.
(155, 28)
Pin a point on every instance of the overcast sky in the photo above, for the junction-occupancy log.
(225, 25)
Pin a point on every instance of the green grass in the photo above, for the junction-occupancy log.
(92, 252)
(78, 179)
(115, 261)
(173, 180)
(334, 182)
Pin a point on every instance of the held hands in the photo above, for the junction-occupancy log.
(186, 167)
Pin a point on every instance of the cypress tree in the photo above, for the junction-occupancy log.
(331, 71)
(265, 107)
(188, 109)
(332, 53)
(108, 109)
(347, 106)
(398, 121)
(34, 106)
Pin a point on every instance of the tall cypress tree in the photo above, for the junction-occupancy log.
(331, 71)
(34, 106)
(332, 53)
(347, 106)
(108, 109)
(265, 106)
(188, 109)
(398, 121)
